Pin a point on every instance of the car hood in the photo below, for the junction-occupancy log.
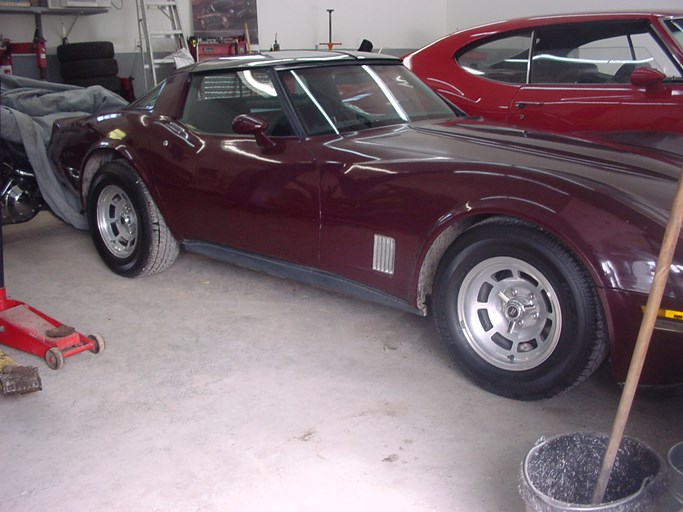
(655, 144)
(641, 171)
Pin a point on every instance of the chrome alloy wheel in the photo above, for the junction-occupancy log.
(117, 221)
(509, 313)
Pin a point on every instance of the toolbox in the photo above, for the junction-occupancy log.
(215, 47)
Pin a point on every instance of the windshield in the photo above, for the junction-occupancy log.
(337, 99)
(675, 26)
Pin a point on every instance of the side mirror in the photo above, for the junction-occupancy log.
(649, 78)
(247, 124)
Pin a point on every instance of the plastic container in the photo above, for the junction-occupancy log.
(560, 473)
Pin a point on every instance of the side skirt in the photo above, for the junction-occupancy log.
(308, 275)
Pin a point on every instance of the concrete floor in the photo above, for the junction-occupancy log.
(226, 390)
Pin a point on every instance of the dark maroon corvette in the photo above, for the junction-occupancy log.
(534, 253)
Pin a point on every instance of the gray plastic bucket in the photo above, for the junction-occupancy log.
(675, 460)
(560, 473)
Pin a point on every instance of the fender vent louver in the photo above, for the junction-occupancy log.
(383, 255)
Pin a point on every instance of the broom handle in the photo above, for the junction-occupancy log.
(654, 300)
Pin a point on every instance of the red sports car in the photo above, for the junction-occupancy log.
(535, 253)
(575, 72)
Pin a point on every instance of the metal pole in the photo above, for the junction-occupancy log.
(329, 14)
(330, 45)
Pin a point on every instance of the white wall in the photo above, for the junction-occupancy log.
(387, 23)
(462, 14)
(403, 24)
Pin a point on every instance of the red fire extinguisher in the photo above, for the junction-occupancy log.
(40, 50)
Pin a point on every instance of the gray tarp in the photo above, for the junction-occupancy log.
(28, 110)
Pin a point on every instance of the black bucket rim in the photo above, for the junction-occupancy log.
(549, 500)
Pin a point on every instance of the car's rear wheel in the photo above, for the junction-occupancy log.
(517, 311)
(128, 230)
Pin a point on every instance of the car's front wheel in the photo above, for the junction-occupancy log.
(128, 230)
(517, 311)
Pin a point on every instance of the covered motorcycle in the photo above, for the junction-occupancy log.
(29, 108)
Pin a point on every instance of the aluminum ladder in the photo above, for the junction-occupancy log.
(161, 14)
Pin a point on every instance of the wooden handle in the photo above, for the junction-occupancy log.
(671, 235)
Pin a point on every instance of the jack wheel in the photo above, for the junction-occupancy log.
(98, 343)
(54, 358)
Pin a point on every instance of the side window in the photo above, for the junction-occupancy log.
(214, 100)
(617, 57)
(148, 101)
(596, 53)
(504, 59)
(651, 54)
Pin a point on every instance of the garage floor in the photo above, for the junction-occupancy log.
(226, 390)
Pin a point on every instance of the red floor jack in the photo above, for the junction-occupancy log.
(27, 329)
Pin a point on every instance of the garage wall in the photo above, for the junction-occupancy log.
(298, 23)
(303, 23)
(395, 26)
(387, 23)
(461, 14)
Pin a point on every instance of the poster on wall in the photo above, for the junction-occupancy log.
(219, 19)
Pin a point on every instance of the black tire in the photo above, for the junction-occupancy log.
(128, 230)
(87, 50)
(517, 312)
(111, 83)
(91, 68)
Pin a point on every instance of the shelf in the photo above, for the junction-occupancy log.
(39, 11)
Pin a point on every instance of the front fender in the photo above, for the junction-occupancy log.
(616, 242)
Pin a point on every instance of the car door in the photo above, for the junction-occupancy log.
(228, 189)
(580, 79)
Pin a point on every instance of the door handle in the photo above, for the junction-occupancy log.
(522, 104)
(177, 129)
